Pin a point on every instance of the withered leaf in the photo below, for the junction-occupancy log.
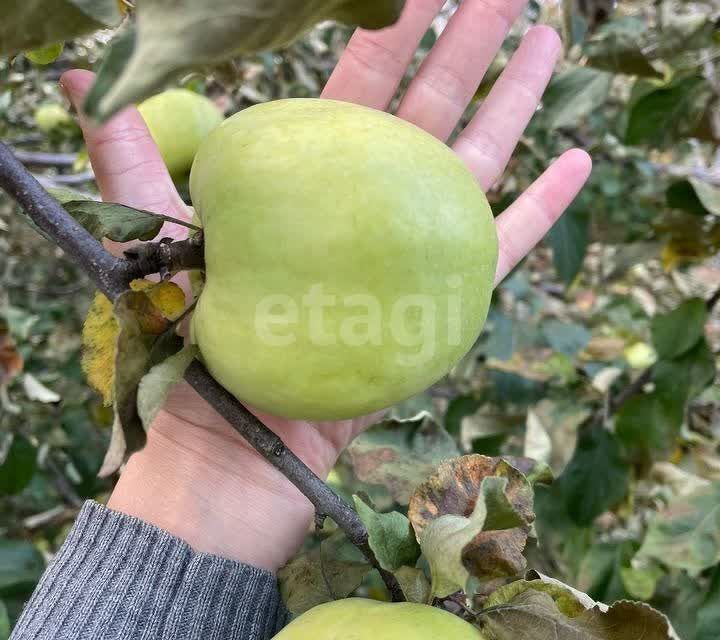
(328, 572)
(455, 486)
(400, 454)
(472, 519)
(139, 324)
(539, 611)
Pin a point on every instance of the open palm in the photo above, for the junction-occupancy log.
(129, 169)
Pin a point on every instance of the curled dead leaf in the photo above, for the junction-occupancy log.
(472, 518)
(454, 488)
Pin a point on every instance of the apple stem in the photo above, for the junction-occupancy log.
(113, 275)
(165, 257)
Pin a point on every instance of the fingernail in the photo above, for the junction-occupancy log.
(68, 98)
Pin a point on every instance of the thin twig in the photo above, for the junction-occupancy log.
(70, 236)
(272, 448)
(62, 485)
(42, 158)
(713, 301)
(112, 276)
(68, 178)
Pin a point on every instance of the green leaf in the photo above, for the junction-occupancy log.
(513, 389)
(458, 409)
(573, 95)
(694, 196)
(501, 342)
(390, 536)
(4, 622)
(564, 598)
(115, 221)
(45, 55)
(596, 478)
(32, 24)
(159, 381)
(679, 330)
(668, 113)
(21, 566)
(708, 616)
(569, 239)
(537, 611)
(401, 454)
(686, 534)
(414, 584)
(688, 375)
(169, 40)
(116, 56)
(566, 337)
(18, 465)
(618, 48)
(66, 194)
(600, 571)
(650, 423)
(641, 583)
(329, 572)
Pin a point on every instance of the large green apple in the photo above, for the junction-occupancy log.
(179, 120)
(350, 258)
(360, 619)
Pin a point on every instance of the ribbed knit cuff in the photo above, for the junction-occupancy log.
(119, 577)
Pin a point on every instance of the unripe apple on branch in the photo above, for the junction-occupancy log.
(342, 243)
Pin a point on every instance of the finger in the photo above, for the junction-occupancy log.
(530, 217)
(127, 164)
(488, 141)
(375, 62)
(452, 71)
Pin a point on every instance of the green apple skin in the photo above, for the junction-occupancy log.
(361, 619)
(51, 117)
(301, 193)
(179, 120)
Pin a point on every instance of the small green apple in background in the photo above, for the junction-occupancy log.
(51, 118)
(362, 619)
(179, 120)
(350, 258)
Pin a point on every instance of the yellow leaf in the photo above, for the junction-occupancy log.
(167, 297)
(678, 252)
(125, 6)
(99, 338)
(162, 303)
(82, 160)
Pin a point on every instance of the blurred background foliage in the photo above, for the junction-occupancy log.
(598, 357)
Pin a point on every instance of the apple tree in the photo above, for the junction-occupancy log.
(562, 478)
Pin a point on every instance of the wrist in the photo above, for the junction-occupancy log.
(209, 488)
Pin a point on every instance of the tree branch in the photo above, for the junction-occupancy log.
(48, 214)
(272, 448)
(40, 158)
(112, 276)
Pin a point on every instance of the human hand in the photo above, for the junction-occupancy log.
(196, 477)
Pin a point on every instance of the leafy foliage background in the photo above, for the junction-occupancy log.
(635, 512)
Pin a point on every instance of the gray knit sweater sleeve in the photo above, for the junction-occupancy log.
(117, 577)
